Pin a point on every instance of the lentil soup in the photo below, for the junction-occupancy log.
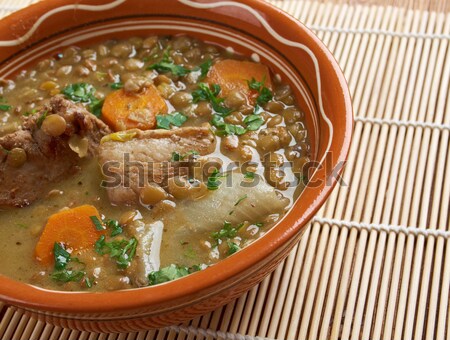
(135, 162)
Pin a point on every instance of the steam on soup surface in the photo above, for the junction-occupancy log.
(136, 162)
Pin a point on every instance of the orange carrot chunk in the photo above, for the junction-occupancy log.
(234, 75)
(73, 227)
(124, 111)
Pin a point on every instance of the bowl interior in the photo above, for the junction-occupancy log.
(248, 27)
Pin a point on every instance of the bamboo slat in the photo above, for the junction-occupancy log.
(375, 262)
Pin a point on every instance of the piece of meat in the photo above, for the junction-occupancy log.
(147, 258)
(236, 200)
(48, 159)
(128, 166)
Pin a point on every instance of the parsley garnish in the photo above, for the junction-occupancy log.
(177, 157)
(165, 121)
(204, 68)
(225, 129)
(98, 225)
(214, 182)
(249, 175)
(84, 93)
(227, 231)
(115, 227)
(232, 248)
(122, 250)
(167, 65)
(62, 256)
(254, 122)
(68, 275)
(116, 86)
(62, 259)
(5, 107)
(264, 93)
(171, 272)
(207, 93)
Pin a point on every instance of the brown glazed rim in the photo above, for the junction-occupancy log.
(236, 267)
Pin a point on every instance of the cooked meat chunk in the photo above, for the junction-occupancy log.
(32, 159)
(147, 260)
(128, 166)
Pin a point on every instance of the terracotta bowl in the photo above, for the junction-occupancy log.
(251, 27)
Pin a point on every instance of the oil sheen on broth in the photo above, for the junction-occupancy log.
(221, 144)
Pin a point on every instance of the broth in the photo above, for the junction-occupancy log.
(189, 220)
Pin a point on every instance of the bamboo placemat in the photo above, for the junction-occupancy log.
(375, 263)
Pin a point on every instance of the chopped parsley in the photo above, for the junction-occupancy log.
(232, 248)
(227, 231)
(116, 228)
(5, 107)
(204, 68)
(207, 93)
(97, 223)
(122, 250)
(170, 273)
(264, 93)
(177, 157)
(253, 122)
(214, 181)
(225, 129)
(62, 256)
(249, 175)
(165, 121)
(116, 86)
(62, 273)
(68, 275)
(167, 65)
(84, 93)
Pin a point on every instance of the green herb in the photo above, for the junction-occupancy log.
(122, 250)
(207, 93)
(165, 121)
(98, 225)
(116, 86)
(227, 231)
(240, 200)
(253, 122)
(249, 175)
(88, 282)
(84, 93)
(68, 275)
(264, 93)
(62, 259)
(41, 118)
(99, 245)
(214, 182)
(225, 129)
(167, 65)
(259, 224)
(115, 227)
(177, 157)
(232, 248)
(62, 256)
(204, 68)
(21, 225)
(170, 273)
(5, 107)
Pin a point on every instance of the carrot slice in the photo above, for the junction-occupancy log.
(74, 228)
(123, 111)
(234, 74)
